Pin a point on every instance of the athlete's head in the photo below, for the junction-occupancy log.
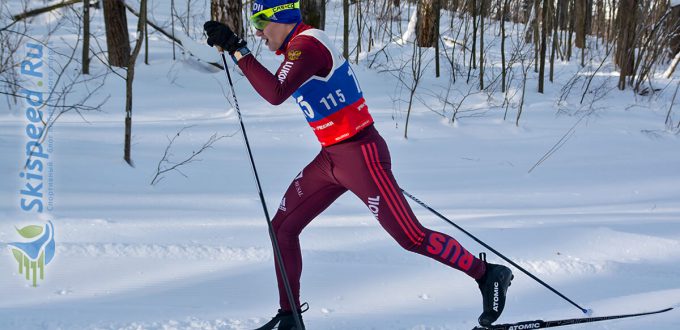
(274, 19)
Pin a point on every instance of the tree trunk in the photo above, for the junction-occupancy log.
(188, 17)
(531, 17)
(482, 10)
(130, 78)
(359, 30)
(345, 29)
(544, 32)
(580, 23)
(436, 37)
(146, 42)
(416, 74)
(395, 11)
(599, 19)
(485, 8)
(626, 20)
(117, 38)
(504, 11)
(674, 29)
(229, 13)
(562, 20)
(172, 27)
(571, 30)
(537, 34)
(526, 11)
(86, 36)
(473, 11)
(428, 18)
(453, 5)
(611, 22)
(589, 17)
(314, 13)
(553, 17)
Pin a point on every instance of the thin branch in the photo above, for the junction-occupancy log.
(41, 10)
(165, 165)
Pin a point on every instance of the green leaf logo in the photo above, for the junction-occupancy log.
(30, 231)
(18, 255)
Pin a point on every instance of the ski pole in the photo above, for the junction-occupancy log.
(272, 236)
(585, 311)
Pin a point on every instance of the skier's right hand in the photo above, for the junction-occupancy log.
(221, 35)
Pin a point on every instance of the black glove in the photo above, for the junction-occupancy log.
(220, 35)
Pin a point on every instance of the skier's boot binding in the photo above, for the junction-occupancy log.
(285, 320)
(493, 285)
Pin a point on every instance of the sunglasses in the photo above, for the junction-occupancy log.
(262, 18)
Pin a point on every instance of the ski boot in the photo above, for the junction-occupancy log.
(493, 285)
(285, 320)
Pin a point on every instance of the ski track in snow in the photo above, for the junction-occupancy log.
(157, 251)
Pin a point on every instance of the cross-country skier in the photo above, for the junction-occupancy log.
(353, 155)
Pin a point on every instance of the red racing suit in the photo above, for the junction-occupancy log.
(353, 157)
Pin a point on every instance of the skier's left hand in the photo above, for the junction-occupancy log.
(220, 35)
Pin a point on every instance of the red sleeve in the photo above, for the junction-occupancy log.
(305, 57)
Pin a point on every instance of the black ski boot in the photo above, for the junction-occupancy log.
(493, 285)
(285, 320)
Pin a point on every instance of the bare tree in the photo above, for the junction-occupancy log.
(581, 14)
(359, 18)
(626, 20)
(438, 8)
(525, 11)
(228, 12)
(653, 41)
(544, 32)
(345, 29)
(172, 27)
(428, 18)
(314, 13)
(69, 90)
(146, 40)
(117, 38)
(473, 11)
(531, 35)
(504, 70)
(86, 36)
(167, 34)
(483, 11)
(580, 22)
(600, 30)
(554, 14)
(12, 35)
(673, 22)
(416, 75)
(408, 70)
(130, 78)
(570, 30)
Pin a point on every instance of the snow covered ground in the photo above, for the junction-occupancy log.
(599, 219)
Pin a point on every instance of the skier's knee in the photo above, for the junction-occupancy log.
(284, 236)
(277, 222)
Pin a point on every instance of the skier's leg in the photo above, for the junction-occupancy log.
(365, 169)
(311, 192)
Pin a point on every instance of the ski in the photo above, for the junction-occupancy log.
(540, 324)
